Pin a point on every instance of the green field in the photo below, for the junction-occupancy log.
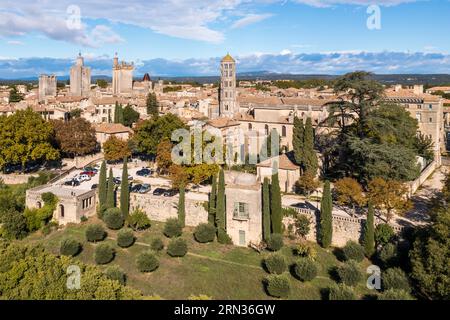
(216, 270)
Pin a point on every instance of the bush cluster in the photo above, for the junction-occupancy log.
(393, 294)
(223, 237)
(115, 273)
(383, 234)
(157, 244)
(341, 292)
(147, 261)
(275, 242)
(353, 251)
(103, 254)
(275, 263)
(205, 232)
(349, 273)
(125, 238)
(177, 247)
(388, 255)
(278, 285)
(95, 232)
(69, 247)
(172, 228)
(113, 218)
(395, 278)
(138, 220)
(305, 269)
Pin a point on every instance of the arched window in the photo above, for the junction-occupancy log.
(266, 128)
(283, 131)
(39, 205)
(61, 211)
(249, 126)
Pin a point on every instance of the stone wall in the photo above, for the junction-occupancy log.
(13, 178)
(160, 208)
(414, 185)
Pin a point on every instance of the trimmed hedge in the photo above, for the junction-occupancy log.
(349, 273)
(172, 228)
(113, 218)
(115, 273)
(305, 269)
(95, 232)
(177, 247)
(69, 247)
(278, 285)
(395, 278)
(125, 238)
(205, 232)
(341, 292)
(157, 244)
(353, 251)
(275, 242)
(147, 262)
(103, 254)
(275, 263)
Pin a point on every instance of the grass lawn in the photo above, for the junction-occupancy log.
(219, 271)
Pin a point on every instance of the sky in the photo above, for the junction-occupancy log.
(188, 37)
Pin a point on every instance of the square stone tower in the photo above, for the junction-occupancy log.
(80, 78)
(227, 94)
(47, 86)
(122, 81)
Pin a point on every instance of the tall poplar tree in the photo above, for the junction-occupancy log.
(298, 137)
(102, 186)
(125, 191)
(220, 204)
(266, 209)
(181, 206)
(212, 202)
(326, 222)
(369, 237)
(275, 204)
(110, 199)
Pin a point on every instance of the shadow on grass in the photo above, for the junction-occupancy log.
(339, 254)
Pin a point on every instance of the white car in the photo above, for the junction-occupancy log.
(83, 177)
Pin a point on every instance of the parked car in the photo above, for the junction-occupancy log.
(72, 182)
(12, 168)
(94, 186)
(89, 173)
(32, 168)
(83, 177)
(170, 193)
(90, 169)
(130, 178)
(144, 188)
(159, 191)
(136, 187)
(117, 180)
(144, 172)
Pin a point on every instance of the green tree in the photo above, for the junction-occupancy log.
(326, 222)
(125, 190)
(75, 137)
(220, 204)
(102, 83)
(369, 232)
(309, 157)
(130, 116)
(275, 205)
(181, 206)
(266, 210)
(102, 185)
(115, 149)
(110, 195)
(14, 95)
(212, 202)
(152, 105)
(298, 138)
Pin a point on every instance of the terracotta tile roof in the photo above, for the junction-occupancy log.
(408, 94)
(109, 100)
(439, 89)
(285, 162)
(222, 122)
(112, 128)
(305, 101)
(68, 99)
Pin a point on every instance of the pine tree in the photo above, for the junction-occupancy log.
(181, 207)
(125, 191)
(152, 105)
(266, 209)
(310, 157)
(369, 237)
(298, 137)
(102, 186)
(326, 222)
(110, 199)
(220, 202)
(275, 204)
(212, 202)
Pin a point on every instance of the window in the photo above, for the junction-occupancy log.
(283, 131)
(240, 210)
(430, 119)
(430, 107)
(266, 128)
(249, 126)
(419, 116)
(241, 237)
(419, 106)
(61, 211)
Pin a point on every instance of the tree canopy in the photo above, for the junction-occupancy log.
(75, 137)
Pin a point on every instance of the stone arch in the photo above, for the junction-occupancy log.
(61, 210)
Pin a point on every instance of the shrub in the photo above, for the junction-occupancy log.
(104, 253)
(275, 242)
(199, 297)
(353, 251)
(101, 211)
(349, 273)
(146, 261)
(388, 255)
(275, 263)
(69, 247)
(205, 232)
(115, 273)
(138, 220)
(383, 234)
(393, 294)
(395, 278)
(302, 225)
(341, 292)
(172, 228)
(223, 237)
(125, 238)
(177, 248)
(83, 219)
(304, 249)
(305, 269)
(157, 244)
(278, 285)
(113, 218)
(95, 232)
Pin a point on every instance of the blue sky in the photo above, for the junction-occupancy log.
(297, 36)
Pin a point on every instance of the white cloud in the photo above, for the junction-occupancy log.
(15, 42)
(328, 3)
(104, 34)
(250, 19)
(285, 52)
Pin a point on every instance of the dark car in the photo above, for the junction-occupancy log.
(32, 168)
(135, 188)
(95, 170)
(144, 172)
(117, 180)
(159, 191)
(94, 186)
(170, 193)
(12, 168)
(72, 183)
(144, 188)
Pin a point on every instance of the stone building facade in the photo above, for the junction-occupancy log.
(80, 78)
(227, 97)
(122, 77)
(47, 86)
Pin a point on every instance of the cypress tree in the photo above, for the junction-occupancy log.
(326, 222)
(110, 201)
(220, 204)
(275, 204)
(298, 137)
(116, 113)
(266, 209)
(181, 207)
(369, 237)
(125, 190)
(310, 157)
(102, 187)
(120, 118)
(212, 202)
